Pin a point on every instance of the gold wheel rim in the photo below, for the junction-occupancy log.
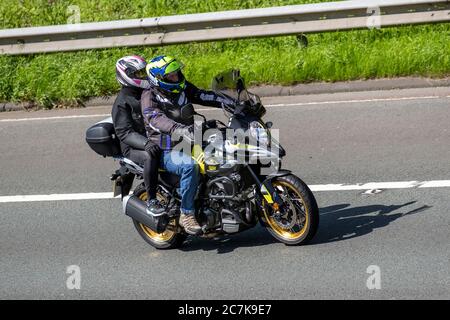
(288, 235)
(166, 236)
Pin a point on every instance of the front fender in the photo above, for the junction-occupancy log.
(280, 173)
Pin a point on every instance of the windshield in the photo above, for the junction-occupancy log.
(232, 84)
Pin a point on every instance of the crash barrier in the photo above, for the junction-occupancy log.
(264, 22)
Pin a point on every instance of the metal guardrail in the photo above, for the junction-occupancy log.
(275, 21)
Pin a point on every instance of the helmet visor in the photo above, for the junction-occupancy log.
(173, 77)
(140, 74)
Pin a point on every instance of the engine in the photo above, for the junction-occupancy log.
(228, 207)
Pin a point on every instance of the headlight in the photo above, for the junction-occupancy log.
(259, 133)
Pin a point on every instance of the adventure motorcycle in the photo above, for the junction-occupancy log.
(232, 195)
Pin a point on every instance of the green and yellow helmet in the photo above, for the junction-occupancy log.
(165, 72)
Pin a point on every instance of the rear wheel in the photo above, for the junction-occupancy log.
(295, 222)
(170, 238)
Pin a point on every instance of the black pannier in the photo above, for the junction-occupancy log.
(102, 139)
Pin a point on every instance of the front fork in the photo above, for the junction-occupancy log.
(266, 189)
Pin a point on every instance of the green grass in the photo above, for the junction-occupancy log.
(26, 13)
(67, 78)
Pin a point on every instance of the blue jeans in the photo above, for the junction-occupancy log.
(184, 166)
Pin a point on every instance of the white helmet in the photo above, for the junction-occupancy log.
(130, 72)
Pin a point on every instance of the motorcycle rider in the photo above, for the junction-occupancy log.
(169, 91)
(129, 124)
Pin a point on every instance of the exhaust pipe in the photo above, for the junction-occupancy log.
(135, 208)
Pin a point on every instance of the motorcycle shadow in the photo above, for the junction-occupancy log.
(337, 223)
(254, 237)
(342, 222)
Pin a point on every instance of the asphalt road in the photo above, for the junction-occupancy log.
(349, 138)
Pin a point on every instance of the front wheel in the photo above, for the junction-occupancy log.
(297, 220)
(170, 238)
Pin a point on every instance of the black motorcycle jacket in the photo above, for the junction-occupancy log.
(128, 120)
(161, 118)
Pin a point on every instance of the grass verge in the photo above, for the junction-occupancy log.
(62, 79)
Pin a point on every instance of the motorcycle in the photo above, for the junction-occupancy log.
(233, 195)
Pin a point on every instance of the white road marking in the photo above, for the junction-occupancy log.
(57, 118)
(435, 184)
(57, 197)
(373, 191)
(382, 185)
(350, 101)
(300, 104)
(315, 103)
(378, 186)
(365, 186)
